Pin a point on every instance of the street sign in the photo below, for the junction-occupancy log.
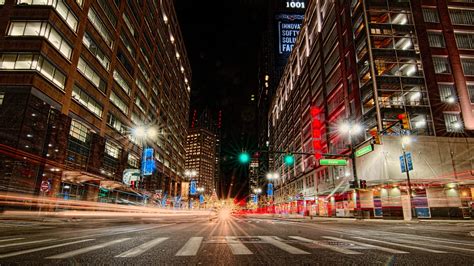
(409, 161)
(201, 198)
(270, 190)
(193, 187)
(364, 150)
(336, 162)
(148, 161)
(44, 186)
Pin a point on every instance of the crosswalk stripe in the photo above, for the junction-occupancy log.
(424, 243)
(282, 246)
(337, 249)
(191, 247)
(389, 250)
(26, 243)
(440, 240)
(401, 245)
(16, 253)
(142, 248)
(236, 246)
(11, 239)
(87, 249)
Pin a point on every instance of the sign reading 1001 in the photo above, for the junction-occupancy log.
(294, 4)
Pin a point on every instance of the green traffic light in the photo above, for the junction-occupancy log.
(289, 159)
(244, 157)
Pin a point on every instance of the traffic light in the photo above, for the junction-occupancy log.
(363, 183)
(289, 159)
(404, 119)
(376, 137)
(244, 157)
(352, 184)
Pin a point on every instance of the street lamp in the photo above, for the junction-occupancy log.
(143, 134)
(350, 129)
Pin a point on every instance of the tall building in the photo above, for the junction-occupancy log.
(80, 83)
(284, 18)
(201, 157)
(354, 68)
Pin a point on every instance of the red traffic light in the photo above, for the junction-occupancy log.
(402, 116)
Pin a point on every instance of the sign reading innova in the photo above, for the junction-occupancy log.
(288, 28)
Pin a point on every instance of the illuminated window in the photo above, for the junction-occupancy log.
(468, 66)
(118, 102)
(43, 29)
(92, 46)
(61, 8)
(115, 123)
(84, 99)
(436, 39)
(100, 27)
(461, 16)
(112, 149)
(90, 74)
(441, 65)
(33, 62)
(79, 131)
(121, 82)
(453, 122)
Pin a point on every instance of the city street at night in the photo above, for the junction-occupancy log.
(255, 240)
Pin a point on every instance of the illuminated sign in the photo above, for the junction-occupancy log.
(336, 162)
(193, 187)
(130, 175)
(295, 4)
(270, 190)
(364, 150)
(288, 28)
(148, 162)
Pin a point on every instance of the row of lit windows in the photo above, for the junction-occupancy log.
(100, 27)
(43, 29)
(463, 40)
(83, 98)
(458, 16)
(121, 82)
(33, 62)
(88, 72)
(92, 46)
(118, 102)
(60, 6)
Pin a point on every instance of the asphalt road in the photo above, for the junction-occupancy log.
(235, 241)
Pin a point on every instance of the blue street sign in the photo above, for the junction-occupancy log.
(148, 162)
(270, 190)
(255, 198)
(402, 164)
(163, 200)
(193, 187)
(201, 198)
(409, 161)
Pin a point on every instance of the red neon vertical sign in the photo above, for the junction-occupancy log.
(316, 132)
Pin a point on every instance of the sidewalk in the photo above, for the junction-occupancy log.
(315, 219)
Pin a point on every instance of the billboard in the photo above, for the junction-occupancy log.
(193, 187)
(289, 26)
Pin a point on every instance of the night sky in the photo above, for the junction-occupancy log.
(222, 39)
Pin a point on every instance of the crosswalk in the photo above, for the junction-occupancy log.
(350, 245)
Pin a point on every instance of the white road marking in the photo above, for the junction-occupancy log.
(282, 246)
(401, 245)
(441, 240)
(87, 249)
(236, 246)
(16, 253)
(191, 247)
(120, 232)
(11, 239)
(389, 250)
(26, 243)
(424, 243)
(337, 249)
(142, 248)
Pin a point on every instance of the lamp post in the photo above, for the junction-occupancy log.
(350, 129)
(405, 141)
(190, 174)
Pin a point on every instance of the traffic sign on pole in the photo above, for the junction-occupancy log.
(44, 186)
(336, 162)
